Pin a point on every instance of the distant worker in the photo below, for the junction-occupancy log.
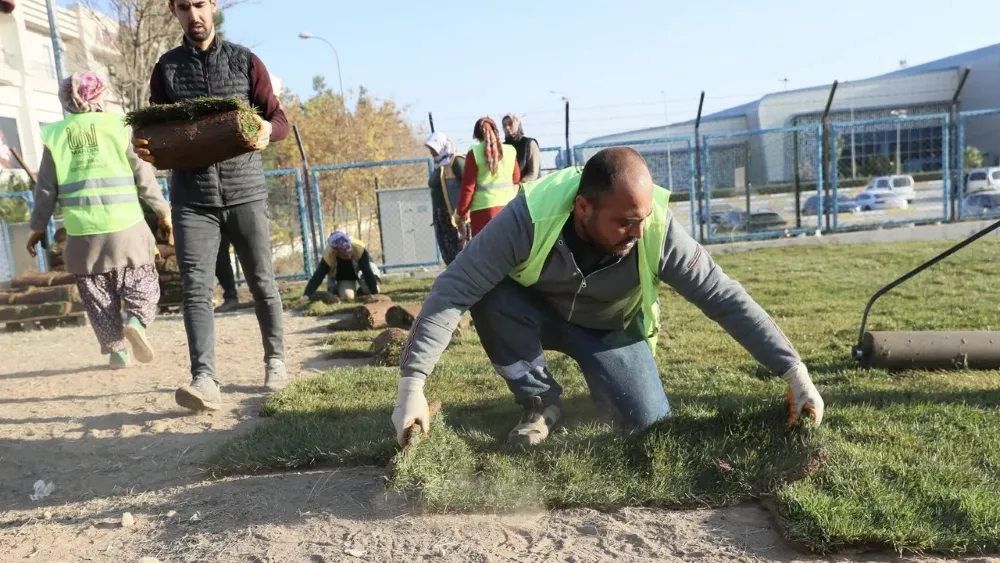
(490, 178)
(348, 267)
(575, 264)
(444, 183)
(90, 168)
(529, 156)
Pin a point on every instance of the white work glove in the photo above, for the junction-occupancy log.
(264, 135)
(411, 408)
(802, 395)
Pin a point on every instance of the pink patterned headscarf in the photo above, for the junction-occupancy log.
(82, 92)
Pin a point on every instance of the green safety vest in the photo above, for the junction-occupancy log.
(97, 190)
(550, 202)
(494, 190)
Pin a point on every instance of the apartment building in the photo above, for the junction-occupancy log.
(28, 83)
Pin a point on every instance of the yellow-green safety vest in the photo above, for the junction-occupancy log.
(494, 190)
(97, 190)
(550, 202)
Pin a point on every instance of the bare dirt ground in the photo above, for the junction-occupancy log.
(115, 442)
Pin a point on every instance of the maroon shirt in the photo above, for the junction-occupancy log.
(261, 96)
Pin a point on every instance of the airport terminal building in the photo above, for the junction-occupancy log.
(900, 141)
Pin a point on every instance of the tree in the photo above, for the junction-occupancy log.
(973, 157)
(141, 31)
(377, 130)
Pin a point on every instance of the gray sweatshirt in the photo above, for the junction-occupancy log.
(606, 299)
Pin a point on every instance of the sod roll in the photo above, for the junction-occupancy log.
(387, 348)
(372, 316)
(197, 133)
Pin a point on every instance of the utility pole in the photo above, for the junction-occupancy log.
(57, 46)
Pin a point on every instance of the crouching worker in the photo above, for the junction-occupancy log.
(573, 264)
(91, 170)
(348, 267)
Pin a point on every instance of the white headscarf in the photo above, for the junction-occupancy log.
(443, 146)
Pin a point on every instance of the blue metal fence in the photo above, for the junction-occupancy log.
(974, 183)
(29, 199)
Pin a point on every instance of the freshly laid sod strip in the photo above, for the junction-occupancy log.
(907, 461)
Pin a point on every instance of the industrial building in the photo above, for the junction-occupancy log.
(903, 142)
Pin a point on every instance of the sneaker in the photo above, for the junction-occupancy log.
(229, 305)
(274, 375)
(119, 360)
(535, 424)
(202, 394)
(135, 333)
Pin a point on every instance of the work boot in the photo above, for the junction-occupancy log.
(229, 305)
(535, 423)
(274, 375)
(202, 394)
(135, 333)
(119, 360)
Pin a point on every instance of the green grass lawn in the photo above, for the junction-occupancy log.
(908, 461)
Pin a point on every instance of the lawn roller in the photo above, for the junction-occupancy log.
(927, 350)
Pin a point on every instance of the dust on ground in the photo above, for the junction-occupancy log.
(115, 442)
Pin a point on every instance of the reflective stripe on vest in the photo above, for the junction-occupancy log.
(494, 190)
(550, 203)
(96, 184)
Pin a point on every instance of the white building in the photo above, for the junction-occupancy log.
(915, 142)
(28, 84)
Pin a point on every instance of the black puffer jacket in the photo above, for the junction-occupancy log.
(221, 71)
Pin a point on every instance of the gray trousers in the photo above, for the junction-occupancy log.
(198, 232)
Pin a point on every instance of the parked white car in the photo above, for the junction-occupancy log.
(875, 200)
(982, 203)
(899, 184)
(983, 180)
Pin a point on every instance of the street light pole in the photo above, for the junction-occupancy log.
(336, 55)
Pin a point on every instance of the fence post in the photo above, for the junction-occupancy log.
(959, 147)
(798, 186)
(827, 149)
(317, 202)
(307, 234)
(698, 173)
(819, 179)
(834, 181)
(692, 190)
(960, 165)
(946, 195)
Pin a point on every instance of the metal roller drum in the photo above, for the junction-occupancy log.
(930, 350)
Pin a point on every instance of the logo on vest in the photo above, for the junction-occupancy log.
(82, 141)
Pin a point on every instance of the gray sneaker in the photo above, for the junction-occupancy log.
(202, 394)
(535, 424)
(274, 375)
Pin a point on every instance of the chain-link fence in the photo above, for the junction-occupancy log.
(291, 246)
(976, 178)
(890, 171)
(18, 205)
(756, 183)
(6, 255)
(361, 199)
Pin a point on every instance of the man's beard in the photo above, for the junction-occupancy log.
(200, 34)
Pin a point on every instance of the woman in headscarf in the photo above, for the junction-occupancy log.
(490, 178)
(348, 267)
(529, 157)
(90, 168)
(444, 183)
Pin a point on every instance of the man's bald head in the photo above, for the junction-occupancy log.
(614, 200)
(615, 170)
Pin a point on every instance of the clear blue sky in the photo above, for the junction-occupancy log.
(463, 60)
